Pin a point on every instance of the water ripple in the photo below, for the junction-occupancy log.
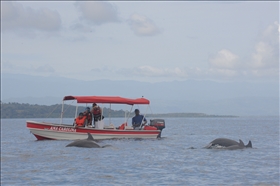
(176, 159)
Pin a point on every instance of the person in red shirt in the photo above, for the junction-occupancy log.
(96, 111)
(80, 120)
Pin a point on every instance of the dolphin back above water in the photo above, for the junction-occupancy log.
(224, 143)
(87, 143)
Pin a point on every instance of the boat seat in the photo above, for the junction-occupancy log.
(129, 128)
(111, 126)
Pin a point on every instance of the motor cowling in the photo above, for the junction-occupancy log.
(158, 123)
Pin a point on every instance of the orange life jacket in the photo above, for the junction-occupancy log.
(80, 121)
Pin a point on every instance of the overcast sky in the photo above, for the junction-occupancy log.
(145, 41)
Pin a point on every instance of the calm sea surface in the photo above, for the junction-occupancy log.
(167, 161)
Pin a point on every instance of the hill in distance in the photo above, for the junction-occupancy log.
(190, 96)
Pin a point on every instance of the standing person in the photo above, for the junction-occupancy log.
(137, 120)
(88, 115)
(97, 112)
(80, 120)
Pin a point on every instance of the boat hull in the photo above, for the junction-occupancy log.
(51, 131)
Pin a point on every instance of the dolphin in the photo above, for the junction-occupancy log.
(224, 143)
(87, 143)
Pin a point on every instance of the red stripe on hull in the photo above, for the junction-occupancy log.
(41, 137)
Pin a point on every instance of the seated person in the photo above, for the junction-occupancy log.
(88, 115)
(80, 120)
(137, 120)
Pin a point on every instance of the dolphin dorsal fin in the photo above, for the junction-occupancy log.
(249, 145)
(241, 143)
(90, 137)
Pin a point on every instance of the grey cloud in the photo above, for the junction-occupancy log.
(98, 12)
(149, 71)
(142, 26)
(96, 70)
(6, 65)
(81, 28)
(197, 73)
(45, 69)
(13, 67)
(15, 16)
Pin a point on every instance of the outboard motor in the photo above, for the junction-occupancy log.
(159, 124)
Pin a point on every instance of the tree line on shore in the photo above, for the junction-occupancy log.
(25, 110)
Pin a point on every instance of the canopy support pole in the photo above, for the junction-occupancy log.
(76, 110)
(144, 116)
(151, 109)
(110, 115)
(129, 114)
(61, 117)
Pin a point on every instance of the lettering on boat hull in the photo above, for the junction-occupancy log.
(64, 129)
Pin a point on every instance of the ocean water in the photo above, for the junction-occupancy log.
(178, 158)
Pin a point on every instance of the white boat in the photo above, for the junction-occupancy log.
(60, 131)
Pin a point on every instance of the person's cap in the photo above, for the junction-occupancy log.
(93, 104)
(87, 108)
(81, 114)
(136, 110)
